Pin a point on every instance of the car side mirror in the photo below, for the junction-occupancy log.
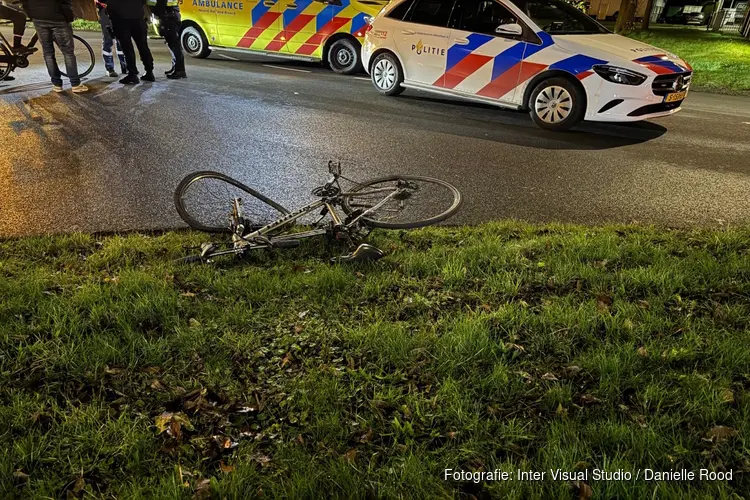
(513, 29)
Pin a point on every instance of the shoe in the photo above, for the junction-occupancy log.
(112, 73)
(169, 71)
(9, 78)
(148, 77)
(177, 75)
(57, 88)
(80, 89)
(130, 80)
(23, 50)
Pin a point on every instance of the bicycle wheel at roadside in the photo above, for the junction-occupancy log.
(204, 200)
(402, 201)
(85, 58)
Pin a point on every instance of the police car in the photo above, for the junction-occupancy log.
(544, 56)
(315, 30)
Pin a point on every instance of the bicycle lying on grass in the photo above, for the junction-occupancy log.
(216, 203)
(10, 60)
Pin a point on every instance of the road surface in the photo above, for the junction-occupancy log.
(109, 160)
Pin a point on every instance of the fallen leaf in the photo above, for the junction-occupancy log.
(225, 468)
(600, 264)
(643, 304)
(298, 328)
(194, 323)
(303, 314)
(172, 423)
(487, 307)
(19, 474)
(452, 434)
(351, 455)
(560, 410)
(203, 489)
(261, 459)
(603, 302)
(588, 399)
(515, 347)
(300, 439)
(79, 485)
(584, 490)
(187, 294)
(113, 371)
(156, 385)
(720, 433)
(366, 437)
(152, 369)
(572, 370)
(286, 359)
(549, 376)
(643, 352)
(727, 396)
(525, 375)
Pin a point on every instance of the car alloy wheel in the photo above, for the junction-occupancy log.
(553, 104)
(384, 74)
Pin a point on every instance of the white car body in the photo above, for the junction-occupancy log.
(503, 70)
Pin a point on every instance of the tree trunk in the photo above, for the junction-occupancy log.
(626, 15)
(647, 15)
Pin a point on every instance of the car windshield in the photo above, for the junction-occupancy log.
(559, 18)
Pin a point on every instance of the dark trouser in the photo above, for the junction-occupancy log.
(19, 22)
(62, 33)
(128, 31)
(108, 42)
(169, 28)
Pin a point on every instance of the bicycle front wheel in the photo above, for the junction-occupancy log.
(418, 201)
(5, 65)
(84, 57)
(204, 200)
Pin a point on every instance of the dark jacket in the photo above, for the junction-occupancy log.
(49, 10)
(126, 9)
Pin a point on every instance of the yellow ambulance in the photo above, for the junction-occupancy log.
(328, 30)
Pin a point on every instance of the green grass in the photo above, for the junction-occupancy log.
(84, 25)
(507, 346)
(721, 62)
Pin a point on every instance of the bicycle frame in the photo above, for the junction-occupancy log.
(245, 242)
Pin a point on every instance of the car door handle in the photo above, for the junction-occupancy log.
(461, 41)
(407, 32)
(291, 6)
(269, 3)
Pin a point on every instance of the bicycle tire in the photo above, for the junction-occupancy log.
(192, 221)
(5, 68)
(373, 222)
(88, 51)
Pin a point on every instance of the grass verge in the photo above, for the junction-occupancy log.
(721, 62)
(507, 346)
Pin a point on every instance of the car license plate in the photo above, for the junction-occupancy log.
(675, 97)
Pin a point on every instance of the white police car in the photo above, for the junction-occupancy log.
(542, 55)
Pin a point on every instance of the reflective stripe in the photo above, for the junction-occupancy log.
(106, 53)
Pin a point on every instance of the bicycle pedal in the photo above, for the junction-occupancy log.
(363, 253)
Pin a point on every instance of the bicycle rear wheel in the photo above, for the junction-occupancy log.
(85, 59)
(5, 65)
(204, 200)
(423, 201)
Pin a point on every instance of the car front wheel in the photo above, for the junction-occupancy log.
(194, 42)
(344, 56)
(557, 104)
(386, 74)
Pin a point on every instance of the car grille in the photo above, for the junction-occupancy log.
(655, 108)
(676, 82)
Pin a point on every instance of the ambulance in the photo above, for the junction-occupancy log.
(542, 56)
(330, 31)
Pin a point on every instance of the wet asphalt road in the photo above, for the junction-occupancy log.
(110, 160)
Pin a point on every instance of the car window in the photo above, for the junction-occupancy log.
(431, 12)
(558, 18)
(481, 16)
(400, 10)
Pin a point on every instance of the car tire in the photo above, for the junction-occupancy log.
(386, 74)
(345, 56)
(194, 42)
(557, 104)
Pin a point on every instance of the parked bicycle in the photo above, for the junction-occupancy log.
(10, 60)
(216, 203)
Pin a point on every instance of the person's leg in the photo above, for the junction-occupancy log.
(46, 40)
(19, 23)
(121, 57)
(123, 35)
(172, 37)
(140, 36)
(107, 41)
(63, 34)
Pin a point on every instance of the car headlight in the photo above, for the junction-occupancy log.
(619, 75)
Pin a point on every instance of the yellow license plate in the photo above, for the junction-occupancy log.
(677, 96)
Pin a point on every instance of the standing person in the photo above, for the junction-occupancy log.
(52, 20)
(108, 42)
(168, 12)
(11, 10)
(129, 23)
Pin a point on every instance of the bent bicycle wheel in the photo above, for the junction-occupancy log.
(204, 201)
(85, 58)
(419, 202)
